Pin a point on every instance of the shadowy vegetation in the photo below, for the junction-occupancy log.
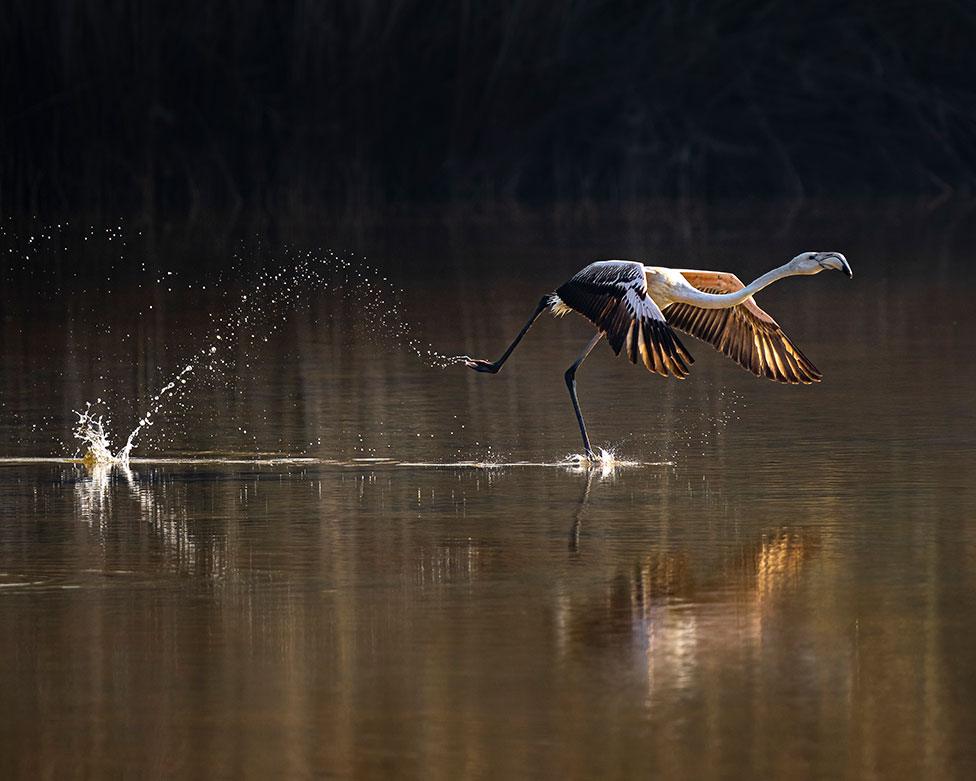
(186, 105)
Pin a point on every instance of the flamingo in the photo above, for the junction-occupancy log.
(638, 308)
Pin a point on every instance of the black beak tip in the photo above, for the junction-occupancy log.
(845, 266)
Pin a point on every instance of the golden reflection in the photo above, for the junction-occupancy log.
(780, 559)
(762, 570)
(351, 616)
(677, 601)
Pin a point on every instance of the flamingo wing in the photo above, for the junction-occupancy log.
(612, 294)
(745, 333)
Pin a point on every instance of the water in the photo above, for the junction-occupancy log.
(330, 557)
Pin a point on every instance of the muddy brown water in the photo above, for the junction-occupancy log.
(781, 587)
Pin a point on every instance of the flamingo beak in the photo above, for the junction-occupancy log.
(837, 262)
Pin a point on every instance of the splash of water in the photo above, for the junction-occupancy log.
(269, 283)
(600, 458)
(157, 403)
(288, 280)
(90, 429)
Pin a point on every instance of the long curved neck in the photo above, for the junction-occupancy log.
(728, 300)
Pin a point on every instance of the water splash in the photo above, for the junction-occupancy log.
(90, 429)
(147, 420)
(287, 279)
(445, 361)
(601, 458)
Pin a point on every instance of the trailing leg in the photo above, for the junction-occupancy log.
(492, 368)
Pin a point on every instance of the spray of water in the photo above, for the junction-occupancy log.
(287, 282)
(260, 290)
(601, 458)
(90, 429)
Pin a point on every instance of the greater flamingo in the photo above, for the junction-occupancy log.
(637, 308)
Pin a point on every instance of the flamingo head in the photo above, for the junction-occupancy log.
(815, 262)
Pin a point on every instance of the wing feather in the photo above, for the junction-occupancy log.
(745, 333)
(612, 294)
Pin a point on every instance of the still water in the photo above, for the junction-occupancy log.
(328, 558)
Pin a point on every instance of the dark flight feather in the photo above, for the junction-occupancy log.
(612, 294)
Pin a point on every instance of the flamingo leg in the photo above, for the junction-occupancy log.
(492, 368)
(571, 384)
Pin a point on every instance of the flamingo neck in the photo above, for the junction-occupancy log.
(729, 300)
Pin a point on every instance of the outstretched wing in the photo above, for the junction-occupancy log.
(612, 294)
(745, 333)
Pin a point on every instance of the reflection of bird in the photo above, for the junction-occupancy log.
(574, 532)
(637, 307)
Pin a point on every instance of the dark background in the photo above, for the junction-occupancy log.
(181, 106)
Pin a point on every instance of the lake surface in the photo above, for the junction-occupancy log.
(331, 560)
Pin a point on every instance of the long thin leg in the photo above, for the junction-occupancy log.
(485, 366)
(571, 384)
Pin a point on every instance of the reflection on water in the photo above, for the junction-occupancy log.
(780, 587)
(109, 492)
(366, 620)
